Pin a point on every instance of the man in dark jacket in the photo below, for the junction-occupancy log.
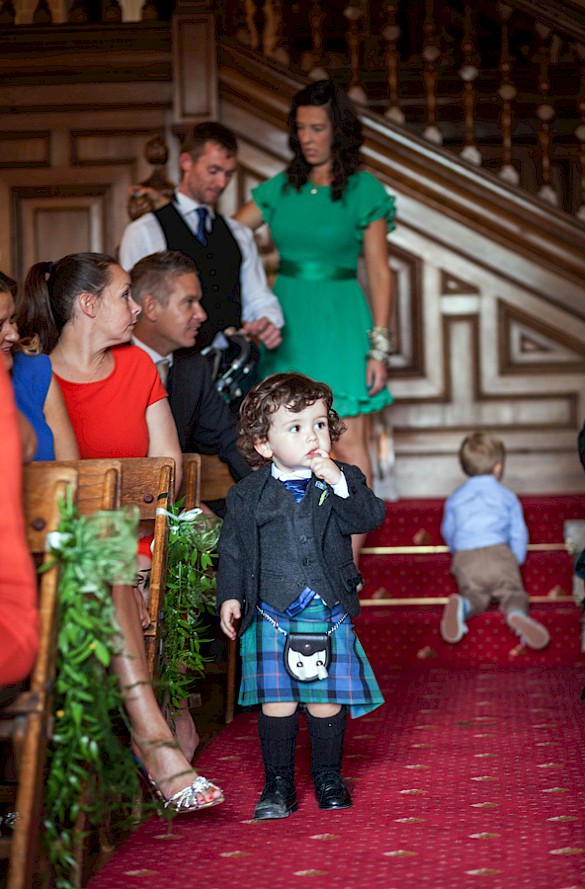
(166, 285)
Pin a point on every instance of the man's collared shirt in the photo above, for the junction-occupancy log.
(144, 236)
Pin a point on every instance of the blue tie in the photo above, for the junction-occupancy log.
(297, 487)
(201, 233)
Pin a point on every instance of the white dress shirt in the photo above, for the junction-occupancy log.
(144, 236)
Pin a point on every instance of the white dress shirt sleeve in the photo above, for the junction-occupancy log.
(141, 237)
(341, 489)
(258, 300)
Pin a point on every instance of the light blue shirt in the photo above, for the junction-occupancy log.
(483, 512)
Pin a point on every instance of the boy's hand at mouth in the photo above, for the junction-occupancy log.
(323, 467)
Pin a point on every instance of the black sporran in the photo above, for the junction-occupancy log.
(307, 656)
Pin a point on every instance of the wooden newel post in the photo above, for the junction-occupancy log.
(194, 63)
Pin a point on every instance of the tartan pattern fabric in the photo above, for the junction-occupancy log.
(351, 680)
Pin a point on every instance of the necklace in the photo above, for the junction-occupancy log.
(97, 370)
(93, 374)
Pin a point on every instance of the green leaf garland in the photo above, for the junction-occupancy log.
(90, 771)
(189, 597)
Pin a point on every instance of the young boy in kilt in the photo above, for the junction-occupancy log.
(286, 570)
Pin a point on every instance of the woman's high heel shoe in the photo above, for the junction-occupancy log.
(186, 800)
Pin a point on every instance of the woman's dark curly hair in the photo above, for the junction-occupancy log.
(291, 390)
(347, 136)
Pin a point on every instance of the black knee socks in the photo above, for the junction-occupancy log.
(278, 738)
(327, 737)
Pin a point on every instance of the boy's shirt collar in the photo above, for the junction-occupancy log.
(283, 476)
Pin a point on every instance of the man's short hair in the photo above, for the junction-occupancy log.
(156, 274)
(209, 131)
(480, 452)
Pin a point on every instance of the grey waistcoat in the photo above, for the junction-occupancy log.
(290, 557)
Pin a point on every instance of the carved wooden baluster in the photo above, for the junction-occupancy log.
(259, 18)
(279, 52)
(580, 128)
(7, 13)
(42, 14)
(353, 13)
(468, 74)
(149, 11)
(545, 113)
(391, 33)
(112, 12)
(430, 55)
(313, 63)
(79, 11)
(234, 20)
(507, 93)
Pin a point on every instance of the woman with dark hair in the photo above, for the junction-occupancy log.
(82, 313)
(36, 391)
(323, 212)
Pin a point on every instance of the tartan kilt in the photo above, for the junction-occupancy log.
(351, 680)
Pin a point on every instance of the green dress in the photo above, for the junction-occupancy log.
(326, 313)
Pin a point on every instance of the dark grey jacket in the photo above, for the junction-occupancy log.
(333, 520)
(203, 420)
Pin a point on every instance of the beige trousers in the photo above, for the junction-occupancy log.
(491, 572)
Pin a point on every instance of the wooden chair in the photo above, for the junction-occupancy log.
(27, 722)
(206, 477)
(191, 485)
(216, 479)
(148, 484)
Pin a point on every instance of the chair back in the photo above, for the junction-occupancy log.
(26, 723)
(216, 479)
(148, 484)
(191, 485)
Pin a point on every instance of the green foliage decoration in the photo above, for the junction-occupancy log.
(90, 771)
(189, 599)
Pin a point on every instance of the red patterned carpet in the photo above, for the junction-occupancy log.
(465, 778)
(471, 775)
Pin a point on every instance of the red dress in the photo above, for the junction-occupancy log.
(19, 627)
(109, 416)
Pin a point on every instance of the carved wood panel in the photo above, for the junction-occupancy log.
(64, 189)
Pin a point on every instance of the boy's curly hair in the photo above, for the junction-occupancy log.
(291, 390)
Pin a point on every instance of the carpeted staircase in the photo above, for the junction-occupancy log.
(471, 775)
(406, 567)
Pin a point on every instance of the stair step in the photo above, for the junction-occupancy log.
(427, 575)
(418, 520)
(405, 635)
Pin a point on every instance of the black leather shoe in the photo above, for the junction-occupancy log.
(278, 800)
(331, 791)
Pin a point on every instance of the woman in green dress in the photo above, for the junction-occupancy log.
(323, 213)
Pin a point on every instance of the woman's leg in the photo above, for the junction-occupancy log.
(152, 739)
(181, 723)
(353, 447)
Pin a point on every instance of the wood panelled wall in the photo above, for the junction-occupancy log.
(490, 302)
(77, 107)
